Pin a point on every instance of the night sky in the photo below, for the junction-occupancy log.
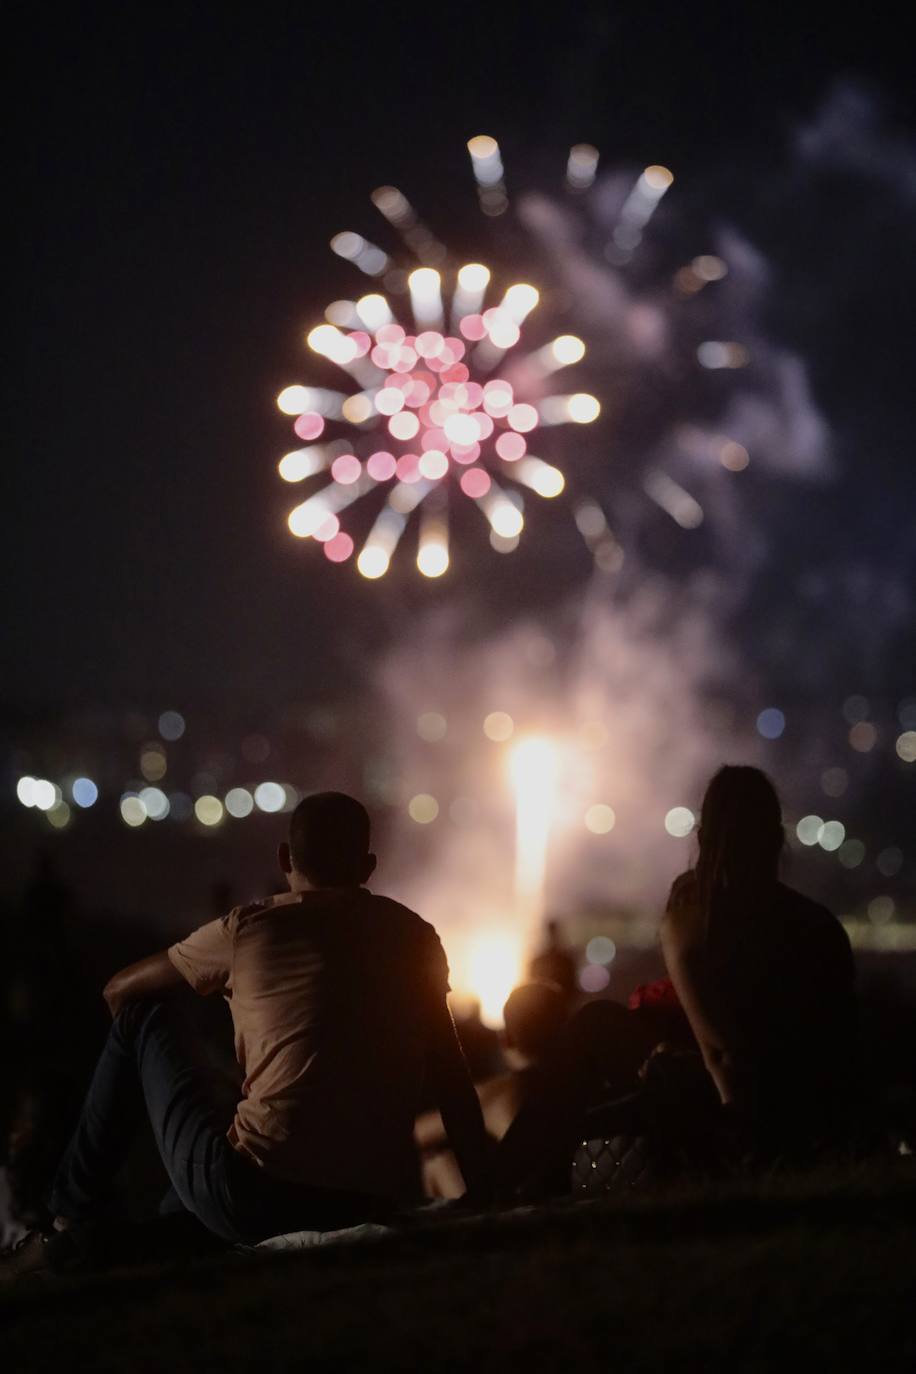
(180, 173)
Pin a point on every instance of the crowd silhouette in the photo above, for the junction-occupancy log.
(299, 1069)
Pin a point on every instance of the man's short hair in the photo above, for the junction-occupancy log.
(329, 838)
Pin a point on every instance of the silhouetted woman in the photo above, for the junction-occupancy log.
(764, 977)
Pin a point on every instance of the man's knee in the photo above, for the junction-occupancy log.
(131, 1019)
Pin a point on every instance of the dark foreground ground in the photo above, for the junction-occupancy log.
(817, 1274)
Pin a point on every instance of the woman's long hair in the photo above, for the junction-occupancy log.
(741, 839)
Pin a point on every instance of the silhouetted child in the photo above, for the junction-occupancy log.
(534, 1015)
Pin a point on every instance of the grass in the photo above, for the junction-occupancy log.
(815, 1272)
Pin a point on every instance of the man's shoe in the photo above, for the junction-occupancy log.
(41, 1255)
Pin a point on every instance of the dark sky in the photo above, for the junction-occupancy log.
(180, 172)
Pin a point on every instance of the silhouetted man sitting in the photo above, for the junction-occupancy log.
(338, 1003)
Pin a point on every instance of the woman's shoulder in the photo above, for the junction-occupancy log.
(797, 906)
(682, 922)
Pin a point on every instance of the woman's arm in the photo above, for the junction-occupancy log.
(684, 949)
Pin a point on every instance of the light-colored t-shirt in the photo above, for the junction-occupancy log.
(331, 994)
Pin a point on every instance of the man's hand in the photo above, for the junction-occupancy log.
(155, 976)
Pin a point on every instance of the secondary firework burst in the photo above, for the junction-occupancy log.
(699, 390)
(439, 402)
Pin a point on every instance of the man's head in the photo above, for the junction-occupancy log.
(328, 843)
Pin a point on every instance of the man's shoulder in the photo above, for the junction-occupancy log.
(416, 939)
(389, 910)
(251, 912)
(315, 903)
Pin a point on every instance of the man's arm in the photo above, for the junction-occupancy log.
(458, 1102)
(155, 976)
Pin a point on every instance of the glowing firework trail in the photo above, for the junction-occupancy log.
(645, 335)
(533, 771)
(486, 161)
(640, 205)
(433, 391)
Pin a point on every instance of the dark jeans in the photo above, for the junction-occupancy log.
(152, 1064)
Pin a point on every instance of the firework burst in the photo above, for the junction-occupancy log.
(445, 401)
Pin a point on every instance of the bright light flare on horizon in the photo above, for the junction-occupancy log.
(492, 967)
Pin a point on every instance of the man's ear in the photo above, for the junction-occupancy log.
(284, 858)
(369, 867)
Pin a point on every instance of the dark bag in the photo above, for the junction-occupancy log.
(668, 1128)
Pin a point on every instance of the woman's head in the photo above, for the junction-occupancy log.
(741, 835)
